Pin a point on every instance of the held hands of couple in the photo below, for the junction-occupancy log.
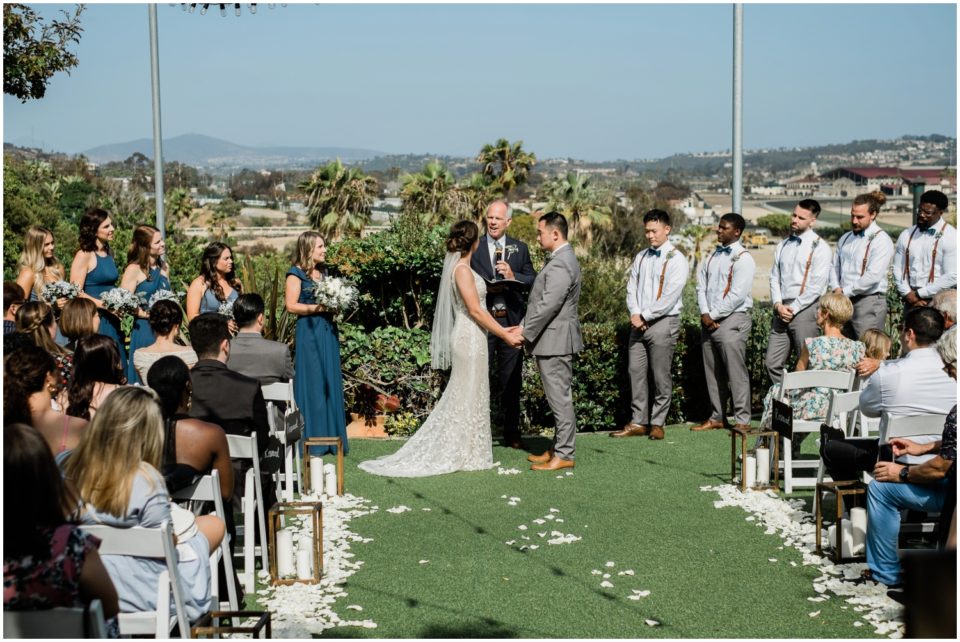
(514, 336)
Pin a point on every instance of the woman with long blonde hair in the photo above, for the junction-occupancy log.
(318, 384)
(115, 471)
(146, 274)
(39, 266)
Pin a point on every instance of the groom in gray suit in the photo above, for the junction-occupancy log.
(551, 332)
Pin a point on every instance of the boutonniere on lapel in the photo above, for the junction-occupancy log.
(670, 255)
(737, 257)
(938, 235)
(509, 250)
(873, 236)
(816, 242)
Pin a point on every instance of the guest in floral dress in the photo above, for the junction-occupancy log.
(47, 562)
(830, 351)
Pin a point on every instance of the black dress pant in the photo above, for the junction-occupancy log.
(846, 459)
(506, 366)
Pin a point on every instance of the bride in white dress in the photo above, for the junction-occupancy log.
(456, 435)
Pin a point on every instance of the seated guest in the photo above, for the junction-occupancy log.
(913, 385)
(191, 447)
(12, 300)
(927, 487)
(47, 562)
(79, 319)
(945, 302)
(829, 351)
(165, 319)
(97, 373)
(35, 322)
(250, 354)
(115, 471)
(29, 379)
(229, 399)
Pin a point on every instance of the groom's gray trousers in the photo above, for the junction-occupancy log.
(556, 373)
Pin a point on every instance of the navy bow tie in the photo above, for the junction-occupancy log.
(860, 233)
(724, 249)
(792, 238)
(929, 230)
(653, 252)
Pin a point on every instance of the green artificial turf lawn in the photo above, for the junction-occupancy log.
(634, 502)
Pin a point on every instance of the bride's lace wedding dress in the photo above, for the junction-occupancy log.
(456, 435)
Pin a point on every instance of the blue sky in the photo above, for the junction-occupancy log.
(586, 81)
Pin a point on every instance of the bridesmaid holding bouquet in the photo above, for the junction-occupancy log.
(146, 274)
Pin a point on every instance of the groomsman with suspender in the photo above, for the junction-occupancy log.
(724, 282)
(801, 269)
(654, 300)
(925, 261)
(860, 265)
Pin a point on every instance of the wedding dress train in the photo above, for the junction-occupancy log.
(456, 436)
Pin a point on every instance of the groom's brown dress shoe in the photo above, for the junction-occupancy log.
(709, 424)
(656, 432)
(556, 463)
(630, 430)
(540, 459)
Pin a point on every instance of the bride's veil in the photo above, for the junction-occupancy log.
(443, 316)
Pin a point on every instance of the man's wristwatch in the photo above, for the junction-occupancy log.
(904, 473)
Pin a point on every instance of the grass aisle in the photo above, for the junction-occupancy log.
(632, 502)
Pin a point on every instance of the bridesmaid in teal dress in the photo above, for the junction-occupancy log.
(216, 285)
(318, 384)
(95, 272)
(146, 273)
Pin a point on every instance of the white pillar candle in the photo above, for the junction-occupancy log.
(858, 520)
(304, 557)
(763, 466)
(832, 536)
(846, 541)
(285, 562)
(316, 476)
(750, 471)
(331, 481)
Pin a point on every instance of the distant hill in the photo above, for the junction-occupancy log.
(204, 151)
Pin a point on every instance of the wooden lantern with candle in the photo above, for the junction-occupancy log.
(317, 442)
(760, 456)
(283, 559)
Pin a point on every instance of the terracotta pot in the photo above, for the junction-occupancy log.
(360, 429)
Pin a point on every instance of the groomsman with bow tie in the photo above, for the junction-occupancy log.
(801, 269)
(860, 265)
(654, 300)
(925, 259)
(724, 282)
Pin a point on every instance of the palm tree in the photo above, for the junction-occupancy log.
(179, 206)
(431, 194)
(339, 199)
(476, 194)
(584, 205)
(505, 164)
(697, 233)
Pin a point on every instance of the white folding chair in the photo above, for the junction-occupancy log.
(155, 543)
(792, 381)
(912, 426)
(207, 489)
(61, 623)
(272, 394)
(245, 447)
(842, 414)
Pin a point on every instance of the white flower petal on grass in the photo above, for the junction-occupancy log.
(543, 534)
(606, 576)
(522, 527)
(514, 499)
(426, 509)
(539, 521)
(771, 559)
(554, 510)
(816, 599)
(525, 537)
(534, 547)
(635, 598)
(354, 607)
(594, 572)
(610, 564)
(641, 593)
(651, 623)
(510, 542)
(606, 584)
(396, 510)
(559, 520)
(858, 623)
(551, 516)
(424, 561)
(814, 614)
(559, 476)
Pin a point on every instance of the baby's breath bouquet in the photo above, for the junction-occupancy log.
(162, 295)
(120, 301)
(335, 294)
(226, 309)
(59, 290)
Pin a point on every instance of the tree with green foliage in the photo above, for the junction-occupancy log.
(778, 224)
(339, 199)
(224, 219)
(30, 59)
(476, 193)
(585, 205)
(179, 208)
(505, 165)
(431, 194)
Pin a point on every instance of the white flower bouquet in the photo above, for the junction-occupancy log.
(162, 295)
(120, 301)
(226, 309)
(59, 290)
(335, 294)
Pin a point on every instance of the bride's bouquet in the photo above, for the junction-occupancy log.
(120, 301)
(335, 294)
(59, 290)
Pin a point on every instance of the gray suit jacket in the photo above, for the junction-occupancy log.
(551, 326)
(264, 360)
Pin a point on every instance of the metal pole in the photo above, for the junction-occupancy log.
(738, 108)
(157, 137)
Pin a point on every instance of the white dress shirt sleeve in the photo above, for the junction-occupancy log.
(702, 286)
(946, 257)
(871, 398)
(816, 279)
(673, 281)
(740, 287)
(899, 259)
(633, 285)
(775, 295)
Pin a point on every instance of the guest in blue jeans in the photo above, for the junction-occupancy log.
(928, 487)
